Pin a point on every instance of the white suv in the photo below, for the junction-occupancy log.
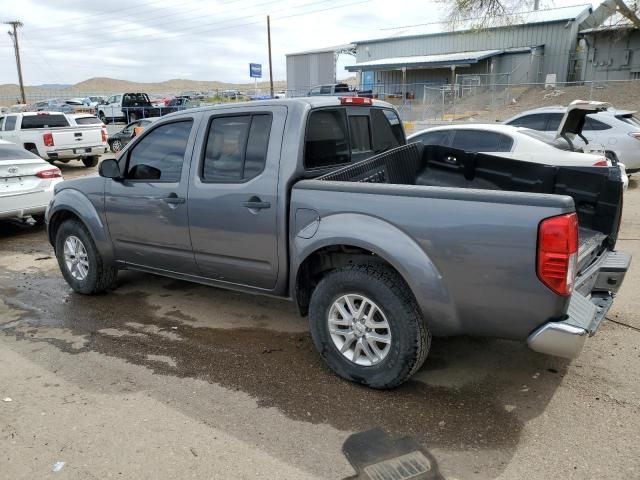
(618, 131)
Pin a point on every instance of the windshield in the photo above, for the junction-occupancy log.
(88, 121)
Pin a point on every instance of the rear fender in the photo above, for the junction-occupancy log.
(395, 247)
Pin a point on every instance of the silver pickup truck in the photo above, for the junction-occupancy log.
(382, 244)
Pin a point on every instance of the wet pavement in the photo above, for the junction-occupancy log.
(483, 408)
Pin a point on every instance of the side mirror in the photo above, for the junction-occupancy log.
(109, 169)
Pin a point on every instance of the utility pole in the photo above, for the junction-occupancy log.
(14, 36)
(536, 5)
(270, 64)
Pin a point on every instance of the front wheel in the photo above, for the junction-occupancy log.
(366, 325)
(90, 161)
(116, 146)
(80, 261)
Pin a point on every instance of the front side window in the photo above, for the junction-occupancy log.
(481, 141)
(326, 141)
(236, 148)
(159, 156)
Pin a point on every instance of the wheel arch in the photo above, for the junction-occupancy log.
(71, 204)
(372, 239)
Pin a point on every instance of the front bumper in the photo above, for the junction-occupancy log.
(592, 298)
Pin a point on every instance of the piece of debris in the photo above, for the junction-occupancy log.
(536, 375)
(442, 423)
(7, 399)
(174, 328)
(270, 350)
(553, 93)
(58, 466)
(44, 258)
(509, 408)
(193, 451)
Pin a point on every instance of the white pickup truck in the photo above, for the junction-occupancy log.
(53, 136)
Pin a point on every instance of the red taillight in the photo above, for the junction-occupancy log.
(601, 163)
(49, 173)
(48, 139)
(635, 135)
(356, 101)
(558, 252)
(104, 134)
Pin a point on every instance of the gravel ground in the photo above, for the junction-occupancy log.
(166, 379)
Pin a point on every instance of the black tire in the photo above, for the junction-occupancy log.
(116, 145)
(38, 218)
(100, 277)
(410, 336)
(91, 161)
(132, 117)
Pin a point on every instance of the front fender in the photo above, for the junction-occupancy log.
(81, 206)
(395, 247)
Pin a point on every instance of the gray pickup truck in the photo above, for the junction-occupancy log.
(382, 244)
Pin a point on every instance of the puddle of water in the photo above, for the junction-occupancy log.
(283, 370)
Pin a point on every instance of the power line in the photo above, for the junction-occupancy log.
(206, 29)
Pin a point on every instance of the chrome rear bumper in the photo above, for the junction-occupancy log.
(590, 302)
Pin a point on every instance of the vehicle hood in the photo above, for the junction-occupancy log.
(573, 121)
(88, 183)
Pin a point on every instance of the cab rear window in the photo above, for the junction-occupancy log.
(44, 121)
(333, 138)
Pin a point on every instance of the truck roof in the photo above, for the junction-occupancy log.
(312, 102)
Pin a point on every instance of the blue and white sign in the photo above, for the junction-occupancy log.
(255, 70)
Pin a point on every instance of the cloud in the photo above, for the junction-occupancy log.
(68, 41)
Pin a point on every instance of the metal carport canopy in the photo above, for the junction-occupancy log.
(425, 61)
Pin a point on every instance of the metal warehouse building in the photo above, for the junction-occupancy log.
(534, 45)
(313, 67)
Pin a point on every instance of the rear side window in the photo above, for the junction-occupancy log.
(10, 123)
(438, 137)
(159, 156)
(536, 121)
(236, 148)
(481, 141)
(88, 121)
(387, 129)
(591, 123)
(554, 120)
(325, 90)
(326, 142)
(360, 134)
(630, 119)
(44, 121)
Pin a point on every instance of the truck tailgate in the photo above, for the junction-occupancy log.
(77, 137)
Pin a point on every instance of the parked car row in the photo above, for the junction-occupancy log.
(567, 145)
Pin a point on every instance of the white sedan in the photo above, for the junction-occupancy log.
(26, 183)
(512, 142)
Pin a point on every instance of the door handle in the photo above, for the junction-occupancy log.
(173, 199)
(256, 204)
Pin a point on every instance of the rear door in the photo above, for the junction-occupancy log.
(233, 198)
(9, 131)
(147, 210)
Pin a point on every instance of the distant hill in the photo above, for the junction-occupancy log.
(53, 85)
(99, 85)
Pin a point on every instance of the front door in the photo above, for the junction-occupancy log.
(147, 210)
(233, 201)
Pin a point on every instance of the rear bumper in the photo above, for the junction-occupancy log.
(24, 204)
(592, 298)
(80, 152)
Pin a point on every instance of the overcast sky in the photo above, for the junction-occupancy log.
(67, 41)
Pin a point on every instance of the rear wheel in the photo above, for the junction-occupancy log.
(91, 161)
(80, 261)
(366, 325)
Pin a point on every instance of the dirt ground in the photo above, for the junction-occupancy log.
(166, 379)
